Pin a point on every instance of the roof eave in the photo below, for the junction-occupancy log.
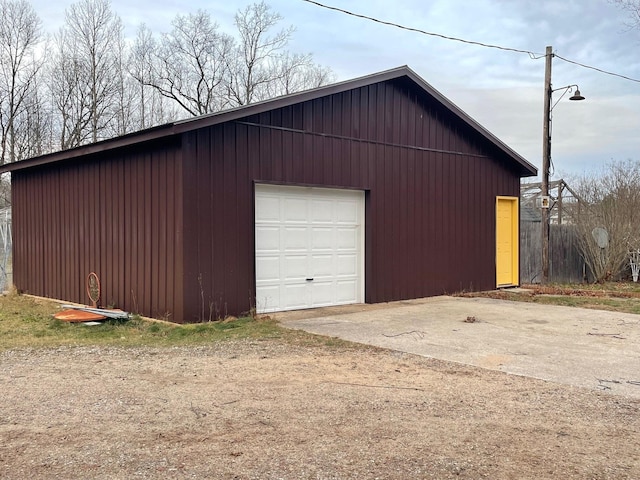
(134, 138)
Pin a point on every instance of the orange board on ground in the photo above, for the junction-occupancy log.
(78, 316)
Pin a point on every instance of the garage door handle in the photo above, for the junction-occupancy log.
(309, 279)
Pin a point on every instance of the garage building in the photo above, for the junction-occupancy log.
(370, 190)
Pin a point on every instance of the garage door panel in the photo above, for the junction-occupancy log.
(294, 267)
(322, 238)
(322, 294)
(347, 238)
(268, 299)
(346, 291)
(309, 247)
(321, 211)
(347, 211)
(347, 264)
(295, 210)
(321, 265)
(294, 296)
(295, 238)
(267, 269)
(267, 238)
(268, 209)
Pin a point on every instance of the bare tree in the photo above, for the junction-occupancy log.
(189, 64)
(19, 36)
(263, 67)
(255, 64)
(204, 71)
(97, 86)
(141, 69)
(296, 72)
(610, 201)
(70, 93)
(33, 132)
(633, 8)
(150, 108)
(86, 78)
(124, 109)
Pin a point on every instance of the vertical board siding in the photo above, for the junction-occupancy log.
(169, 226)
(119, 217)
(430, 215)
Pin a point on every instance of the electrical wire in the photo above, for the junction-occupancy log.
(532, 55)
(424, 32)
(596, 69)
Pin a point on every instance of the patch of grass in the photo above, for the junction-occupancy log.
(26, 321)
(612, 296)
(606, 287)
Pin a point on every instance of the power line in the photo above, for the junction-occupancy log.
(596, 69)
(532, 55)
(411, 29)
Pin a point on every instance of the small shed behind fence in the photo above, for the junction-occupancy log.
(566, 263)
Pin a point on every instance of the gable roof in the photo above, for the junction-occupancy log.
(181, 126)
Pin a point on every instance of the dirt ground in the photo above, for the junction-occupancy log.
(269, 410)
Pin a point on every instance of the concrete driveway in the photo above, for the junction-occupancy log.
(574, 346)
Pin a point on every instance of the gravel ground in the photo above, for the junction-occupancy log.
(270, 410)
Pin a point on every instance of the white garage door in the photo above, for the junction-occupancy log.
(309, 247)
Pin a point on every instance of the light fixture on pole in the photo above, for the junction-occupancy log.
(546, 156)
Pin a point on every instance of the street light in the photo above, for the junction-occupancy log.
(546, 156)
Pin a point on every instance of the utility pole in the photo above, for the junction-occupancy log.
(546, 160)
(546, 156)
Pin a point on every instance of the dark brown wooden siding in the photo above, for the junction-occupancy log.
(169, 226)
(431, 184)
(120, 217)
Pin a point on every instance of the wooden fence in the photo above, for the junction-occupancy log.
(565, 261)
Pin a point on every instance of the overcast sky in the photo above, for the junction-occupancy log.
(502, 90)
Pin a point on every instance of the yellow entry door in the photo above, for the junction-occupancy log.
(507, 232)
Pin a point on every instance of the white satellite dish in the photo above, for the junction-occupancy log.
(601, 236)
